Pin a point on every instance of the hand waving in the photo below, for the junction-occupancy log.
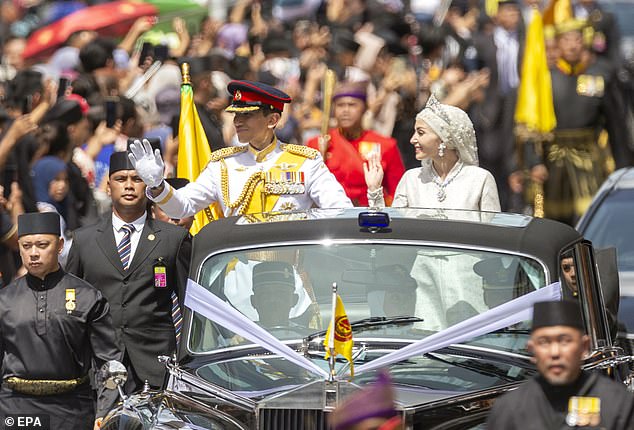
(149, 166)
(373, 172)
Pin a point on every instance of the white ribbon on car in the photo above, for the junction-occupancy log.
(502, 316)
(200, 300)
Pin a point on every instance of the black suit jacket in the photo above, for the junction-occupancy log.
(140, 312)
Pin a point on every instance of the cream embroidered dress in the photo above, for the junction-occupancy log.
(445, 277)
(466, 187)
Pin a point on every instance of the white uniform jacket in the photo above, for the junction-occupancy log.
(238, 165)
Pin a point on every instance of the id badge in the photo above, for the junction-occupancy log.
(160, 274)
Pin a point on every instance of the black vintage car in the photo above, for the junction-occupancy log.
(441, 298)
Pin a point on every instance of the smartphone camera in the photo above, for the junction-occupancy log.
(111, 112)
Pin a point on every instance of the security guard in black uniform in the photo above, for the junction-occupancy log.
(587, 100)
(53, 326)
(563, 396)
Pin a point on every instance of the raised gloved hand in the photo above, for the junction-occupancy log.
(149, 166)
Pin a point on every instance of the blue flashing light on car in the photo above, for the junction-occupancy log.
(374, 221)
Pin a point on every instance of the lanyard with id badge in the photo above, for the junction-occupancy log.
(160, 273)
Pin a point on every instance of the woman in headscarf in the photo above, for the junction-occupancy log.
(50, 183)
(449, 177)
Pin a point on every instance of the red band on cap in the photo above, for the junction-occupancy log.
(241, 96)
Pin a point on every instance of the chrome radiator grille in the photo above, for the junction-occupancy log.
(292, 419)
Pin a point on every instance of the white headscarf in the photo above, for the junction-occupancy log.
(454, 128)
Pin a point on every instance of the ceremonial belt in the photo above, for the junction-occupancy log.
(43, 387)
(579, 146)
(575, 136)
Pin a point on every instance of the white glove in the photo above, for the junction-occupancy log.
(148, 166)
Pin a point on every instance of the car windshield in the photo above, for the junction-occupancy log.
(389, 290)
(612, 226)
(394, 294)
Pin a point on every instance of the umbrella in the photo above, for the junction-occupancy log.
(109, 19)
(191, 11)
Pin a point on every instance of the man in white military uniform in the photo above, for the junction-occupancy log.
(264, 175)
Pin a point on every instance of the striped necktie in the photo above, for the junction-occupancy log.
(177, 317)
(125, 246)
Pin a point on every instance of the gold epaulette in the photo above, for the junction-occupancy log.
(219, 154)
(301, 150)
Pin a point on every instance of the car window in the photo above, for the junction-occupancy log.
(612, 225)
(292, 295)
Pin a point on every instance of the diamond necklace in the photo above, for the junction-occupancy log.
(441, 195)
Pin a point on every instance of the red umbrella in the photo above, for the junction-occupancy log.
(109, 19)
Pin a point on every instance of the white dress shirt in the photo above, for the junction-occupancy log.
(117, 227)
(507, 52)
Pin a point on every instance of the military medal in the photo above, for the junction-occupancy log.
(584, 411)
(284, 183)
(591, 86)
(160, 273)
(70, 300)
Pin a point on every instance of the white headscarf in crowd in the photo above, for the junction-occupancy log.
(454, 128)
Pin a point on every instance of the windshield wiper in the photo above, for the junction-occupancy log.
(510, 331)
(370, 322)
(378, 321)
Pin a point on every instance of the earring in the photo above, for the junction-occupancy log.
(441, 149)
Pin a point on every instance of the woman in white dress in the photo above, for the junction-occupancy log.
(449, 176)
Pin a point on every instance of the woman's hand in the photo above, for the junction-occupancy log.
(373, 172)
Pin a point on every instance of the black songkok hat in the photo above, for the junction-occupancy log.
(39, 223)
(565, 312)
(273, 273)
(119, 161)
(177, 183)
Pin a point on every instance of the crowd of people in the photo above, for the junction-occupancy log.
(423, 101)
(63, 114)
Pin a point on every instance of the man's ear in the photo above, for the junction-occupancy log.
(585, 343)
(273, 119)
(108, 188)
(60, 245)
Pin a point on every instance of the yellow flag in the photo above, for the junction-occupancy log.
(342, 337)
(535, 111)
(557, 12)
(491, 7)
(193, 152)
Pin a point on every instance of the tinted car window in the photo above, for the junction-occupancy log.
(612, 225)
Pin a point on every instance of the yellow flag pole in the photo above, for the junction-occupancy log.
(331, 334)
(328, 88)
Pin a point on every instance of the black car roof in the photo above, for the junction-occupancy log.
(514, 233)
